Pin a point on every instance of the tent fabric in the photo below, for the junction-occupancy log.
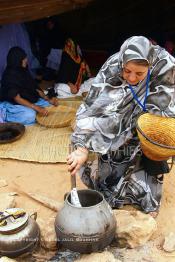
(15, 35)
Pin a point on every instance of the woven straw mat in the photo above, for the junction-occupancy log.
(39, 144)
(75, 104)
(73, 98)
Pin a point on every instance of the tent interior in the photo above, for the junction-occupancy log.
(99, 26)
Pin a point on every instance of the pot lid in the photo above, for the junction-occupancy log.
(12, 219)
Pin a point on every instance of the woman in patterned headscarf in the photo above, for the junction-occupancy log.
(139, 78)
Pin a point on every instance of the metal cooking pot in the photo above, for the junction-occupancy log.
(18, 233)
(88, 228)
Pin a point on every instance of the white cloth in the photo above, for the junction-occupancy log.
(63, 90)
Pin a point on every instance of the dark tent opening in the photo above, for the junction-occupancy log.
(104, 25)
(95, 24)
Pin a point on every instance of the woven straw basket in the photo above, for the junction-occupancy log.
(157, 136)
(60, 116)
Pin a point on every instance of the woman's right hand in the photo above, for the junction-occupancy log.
(73, 88)
(41, 110)
(76, 159)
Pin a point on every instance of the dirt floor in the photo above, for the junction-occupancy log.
(53, 181)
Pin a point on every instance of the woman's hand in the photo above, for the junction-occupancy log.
(76, 159)
(53, 101)
(40, 110)
(21, 101)
(73, 88)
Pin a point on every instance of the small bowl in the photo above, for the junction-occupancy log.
(10, 132)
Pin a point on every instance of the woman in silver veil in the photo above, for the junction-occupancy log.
(139, 78)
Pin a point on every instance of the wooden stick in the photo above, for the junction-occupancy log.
(44, 200)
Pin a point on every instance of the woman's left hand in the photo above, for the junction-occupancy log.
(54, 101)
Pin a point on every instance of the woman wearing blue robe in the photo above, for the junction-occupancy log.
(22, 98)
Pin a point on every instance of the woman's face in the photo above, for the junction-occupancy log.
(134, 73)
(24, 62)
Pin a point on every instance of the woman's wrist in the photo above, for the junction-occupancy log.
(83, 150)
(46, 98)
(33, 106)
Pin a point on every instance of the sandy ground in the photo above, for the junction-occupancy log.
(53, 181)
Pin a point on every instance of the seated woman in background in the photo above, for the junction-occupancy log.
(20, 94)
(72, 73)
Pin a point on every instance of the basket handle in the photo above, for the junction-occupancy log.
(172, 162)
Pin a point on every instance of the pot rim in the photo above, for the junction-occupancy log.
(92, 190)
